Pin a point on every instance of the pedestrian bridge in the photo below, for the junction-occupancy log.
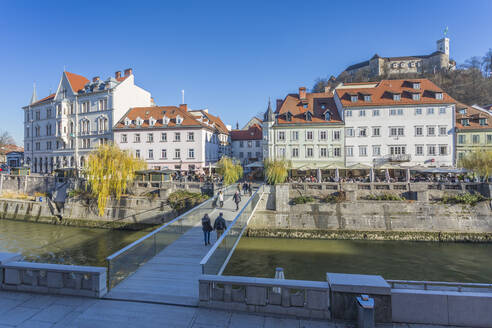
(165, 265)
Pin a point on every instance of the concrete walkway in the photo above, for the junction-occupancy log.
(171, 277)
(47, 311)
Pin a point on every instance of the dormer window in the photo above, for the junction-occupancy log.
(367, 98)
(416, 96)
(151, 121)
(323, 106)
(462, 111)
(354, 98)
(483, 121)
(289, 116)
(396, 97)
(309, 116)
(165, 120)
(179, 119)
(128, 121)
(465, 122)
(139, 121)
(416, 85)
(439, 95)
(327, 116)
(305, 105)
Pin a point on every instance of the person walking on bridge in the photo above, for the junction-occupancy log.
(221, 199)
(237, 199)
(220, 225)
(206, 227)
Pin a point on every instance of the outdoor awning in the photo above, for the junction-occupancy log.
(255, 164)
(443, 170)
(333, 166)
(390, 167)
(359, 166)
(306, 167)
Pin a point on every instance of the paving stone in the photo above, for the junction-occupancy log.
(243, 320)
(212, 317)
(271, 322)
(54, 313)
(39, 301)
(18, 315)
(35, 324)
(317, 324)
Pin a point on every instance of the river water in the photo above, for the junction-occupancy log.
(39, 242)
(311, 259)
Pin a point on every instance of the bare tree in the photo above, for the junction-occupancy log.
(487, 63)
(6, 139)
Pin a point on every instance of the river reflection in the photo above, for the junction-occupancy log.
(49, 243)
(311, 259)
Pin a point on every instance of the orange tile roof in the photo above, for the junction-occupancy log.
(157, 113)
(314, 102)
(253, 133)
(218, 122)
(473, 115)
(10, 148)
(51, 96)
(382, 93)
(77, 82)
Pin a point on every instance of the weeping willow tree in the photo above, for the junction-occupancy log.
(478, 161)
(276, 171)
(229, 170)
(108, 170)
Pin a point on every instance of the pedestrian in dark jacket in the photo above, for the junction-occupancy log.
(237, 199)
(206, 227)
(250, 189)
(245, 188)
(220, 225)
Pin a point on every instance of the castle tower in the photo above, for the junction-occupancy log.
(443, 45)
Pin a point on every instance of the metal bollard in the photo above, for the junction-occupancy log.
(365, 312)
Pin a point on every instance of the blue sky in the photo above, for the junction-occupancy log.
(228, 56)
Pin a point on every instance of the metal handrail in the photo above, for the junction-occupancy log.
(426, 284)
(219, 241)
(150, 234)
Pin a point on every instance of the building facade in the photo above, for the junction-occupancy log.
(61, 129)
(380, 66)
(247, 144)
(473, 129)
(397, 121)
(306, 129)
(169, 137)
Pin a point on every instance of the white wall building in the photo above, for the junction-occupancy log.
(61, 129)
(169, 137)
(397, 121)
(247, 144)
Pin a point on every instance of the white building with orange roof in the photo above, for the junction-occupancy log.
(170, 137)
(62, 128)
(400, 122)
(305, 129)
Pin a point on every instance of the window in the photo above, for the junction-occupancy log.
(137, 153)
(443, 150)
(150, 137)
(322, 135)
(136, 137)
(376, 132)
(400, 111)
(397, 150)
(430, 111)
(431, 150)
(281, 152)
(416, 96)
(191, 136)
(419, 150)
(250, 154)
(323, 152)
(465, 122)
(250, 143)
(396, 97)
(38, 145)
(461, 139)
(349, 151)
(362, 113)
(462, 111)
(397, 131)
(489, 138)
(151, 154)
(392, 112)
(295, 135)
(348, 113)
(336, 135)
(241, 154)
(350, 132)
(257, 143)
(38, 116)
(48, 112)
(164, 137)
(362, 132)
(431, 130)
(362, 150)
(367, 98)
(27, 132)
(443, 131)
(309, 135)
(281, 135)
(85, 107)
(376, 150)
(48, 145)
(418, 111)
(124, 138)
(419, 131)
(416, 85)
(309, 152)
(103, 104)
(295, 152)
(442, 110)
(327, 116)
(177, 136)
(257, 154)
(476, 138)
(191, 153)
(163, 153)
(439, 95)
(336, 152)
(288, 116)
(354, 98)
(177, 153)
(241, 144)
(27, 146)
(375, 112)
(483, 121)
(179, 119)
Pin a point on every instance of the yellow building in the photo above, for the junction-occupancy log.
(473, 129)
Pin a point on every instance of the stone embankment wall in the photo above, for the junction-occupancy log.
(360, 219)
(27, 184)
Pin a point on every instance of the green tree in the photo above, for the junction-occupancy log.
(229, 170)
(276, 171)
(108, 171)
(480, 162)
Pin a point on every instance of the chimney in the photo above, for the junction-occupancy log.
(128, 72)
(327, 89)
(302, 92)
(95, 79)
(183, 107)
(117, 74)
(279, 103)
